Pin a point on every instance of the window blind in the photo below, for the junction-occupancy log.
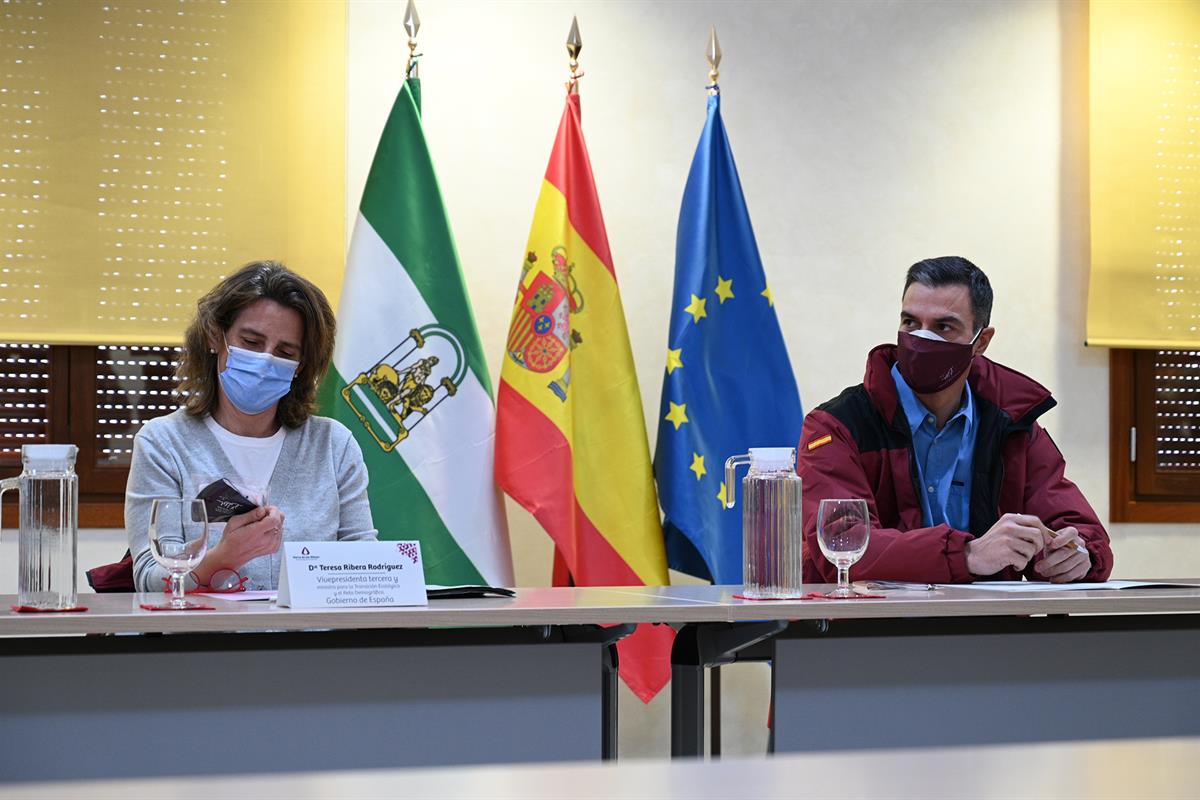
(1177, 411)
(133, 386)
(150, 147)
(24, 399)
(1144, 290)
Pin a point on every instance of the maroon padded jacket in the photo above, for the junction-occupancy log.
(859, 445)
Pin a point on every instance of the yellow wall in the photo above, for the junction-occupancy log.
(152, 147)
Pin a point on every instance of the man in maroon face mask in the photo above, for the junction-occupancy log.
(962, 482)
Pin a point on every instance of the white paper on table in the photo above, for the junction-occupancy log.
(241, 596)
(1045, 586)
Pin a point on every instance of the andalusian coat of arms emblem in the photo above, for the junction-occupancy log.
(407, 384)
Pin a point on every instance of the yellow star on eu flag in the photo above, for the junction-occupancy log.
(767, 294)
(721, 495)
(678, 414)
(674, 359)
(696, 308)
(698, 466)
(724, 289)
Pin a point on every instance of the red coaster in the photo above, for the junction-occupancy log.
(152, 607)
(36, 610)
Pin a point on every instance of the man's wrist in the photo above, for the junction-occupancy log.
(969, 555)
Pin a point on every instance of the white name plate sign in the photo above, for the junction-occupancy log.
(351, 575)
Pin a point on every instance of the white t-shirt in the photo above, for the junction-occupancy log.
(253, 457)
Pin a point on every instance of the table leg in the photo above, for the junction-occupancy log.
(771, 713)
(687, 706)
(714, 724)
(698, 646)
(607, 636)
(608, 699)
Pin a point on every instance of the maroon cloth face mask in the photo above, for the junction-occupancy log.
(930, 365)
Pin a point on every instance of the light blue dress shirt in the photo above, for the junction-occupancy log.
(943, 457)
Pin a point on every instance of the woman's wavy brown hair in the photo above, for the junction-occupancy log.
(215, 314)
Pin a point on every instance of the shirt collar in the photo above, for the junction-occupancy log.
(916, 412)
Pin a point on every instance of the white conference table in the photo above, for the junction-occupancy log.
(257, 687)
(457, 682)
(1151, 769)
(958, 665)
(120, 613)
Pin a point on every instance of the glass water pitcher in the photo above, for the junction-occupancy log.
(772, 533)
(49, 511)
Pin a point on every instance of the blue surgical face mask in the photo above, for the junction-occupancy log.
(254, 381)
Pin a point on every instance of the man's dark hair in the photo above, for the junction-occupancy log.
(955, 271)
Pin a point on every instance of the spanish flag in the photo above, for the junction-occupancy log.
(571, 442)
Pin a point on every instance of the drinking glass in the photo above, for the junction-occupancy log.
(843, 528)
(178, 542)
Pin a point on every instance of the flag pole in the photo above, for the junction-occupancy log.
(574, 45)
(412, 24)
(713, 54)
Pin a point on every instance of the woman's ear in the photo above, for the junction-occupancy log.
(216, 341)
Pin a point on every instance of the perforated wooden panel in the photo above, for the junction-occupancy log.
(1177, 410)
(24, 398)
(134, 384)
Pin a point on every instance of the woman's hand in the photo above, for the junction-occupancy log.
(251, 535)
(247, 536)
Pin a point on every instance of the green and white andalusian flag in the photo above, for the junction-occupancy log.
(408, 376)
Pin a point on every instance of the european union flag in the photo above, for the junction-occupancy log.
(729, 385)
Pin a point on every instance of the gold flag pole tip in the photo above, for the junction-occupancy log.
(412, 24)
(574, 46)
(713, 54)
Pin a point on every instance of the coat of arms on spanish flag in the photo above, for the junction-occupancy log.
(571, 442)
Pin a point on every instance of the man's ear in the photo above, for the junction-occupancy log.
(985, 338)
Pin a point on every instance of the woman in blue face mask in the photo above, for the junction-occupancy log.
(253, 358)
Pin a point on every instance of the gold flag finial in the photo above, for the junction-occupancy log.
(574, 45)
(412, 24)
(713, 54)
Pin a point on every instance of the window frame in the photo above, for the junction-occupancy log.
(1136, 492)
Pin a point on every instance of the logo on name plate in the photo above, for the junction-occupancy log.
(408, 549)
